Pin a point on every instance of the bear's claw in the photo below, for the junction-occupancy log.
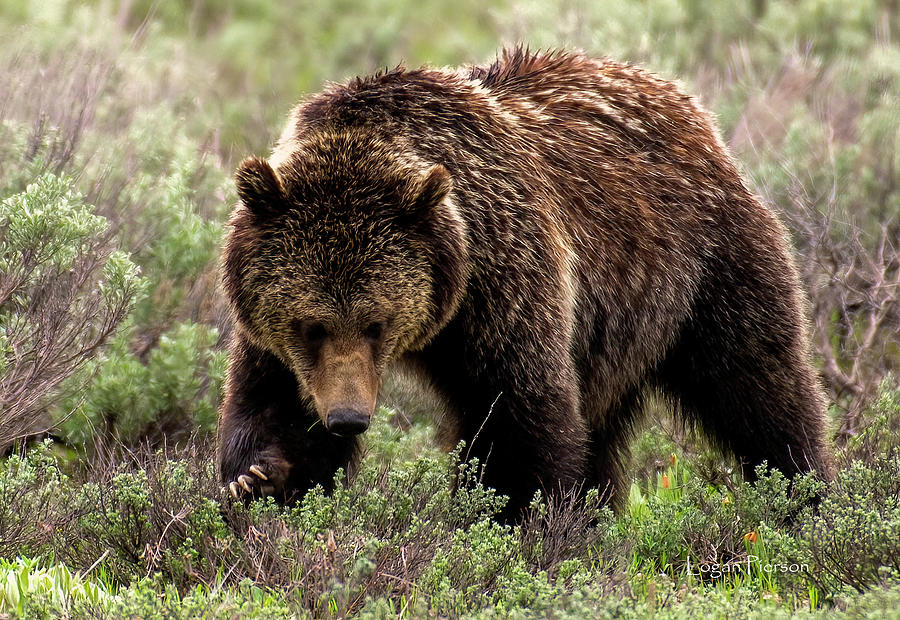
(252, 485)
(245, 482)
(254, 469)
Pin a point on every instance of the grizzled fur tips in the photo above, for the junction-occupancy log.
(546, 240)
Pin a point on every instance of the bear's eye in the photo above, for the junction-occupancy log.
(312, 332)
(374, 331)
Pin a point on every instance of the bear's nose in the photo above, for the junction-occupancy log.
(347, 422)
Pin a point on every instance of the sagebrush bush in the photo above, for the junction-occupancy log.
(170, 393)
(33, 494)
(79, 111)
(420, 531)
(399, 536)
(853, 540)
(880, 432)
(64, 290)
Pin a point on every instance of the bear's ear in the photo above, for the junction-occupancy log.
(429, 190)
(258, 187)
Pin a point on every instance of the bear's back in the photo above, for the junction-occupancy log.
(580, 117)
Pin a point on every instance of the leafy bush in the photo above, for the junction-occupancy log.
(880, 432)
(81, 111)
(173, 391)
(400, 532)
(33, 492)
(853, 540)
(399, 537)
(63, 293)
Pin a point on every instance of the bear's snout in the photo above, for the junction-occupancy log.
(344, 385)
(346, 422)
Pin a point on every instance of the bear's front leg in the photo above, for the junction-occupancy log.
(529, 442)
(270, 441)
(251, 465)
(523, 427)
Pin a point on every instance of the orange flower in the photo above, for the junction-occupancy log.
(750, 537)
(665, 481)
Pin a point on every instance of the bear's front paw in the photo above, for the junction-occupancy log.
(255, 485)
(265, 477)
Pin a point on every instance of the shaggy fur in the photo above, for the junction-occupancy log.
(546, 240)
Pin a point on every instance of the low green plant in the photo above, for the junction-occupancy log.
(26, 586)
(174, 391)
(853, 539)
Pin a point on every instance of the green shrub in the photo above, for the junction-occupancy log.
(880, 432)
(64, 290)
(853, 540)
(154, 598)
(173, 392)
(36, 504)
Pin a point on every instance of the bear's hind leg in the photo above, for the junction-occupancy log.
(754, 392)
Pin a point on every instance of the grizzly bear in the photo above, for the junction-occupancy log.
(546, 240)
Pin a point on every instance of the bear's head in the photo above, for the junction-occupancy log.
(344, 255)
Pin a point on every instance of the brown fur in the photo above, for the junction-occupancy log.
(546, 240)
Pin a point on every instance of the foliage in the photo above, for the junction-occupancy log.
(853, 540)
(27, 587)
(63, 292)
(400, 537)
(172, 390)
